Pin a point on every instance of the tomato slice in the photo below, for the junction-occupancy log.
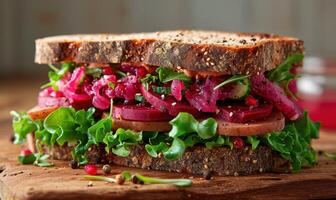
(139, 113)
(242, 113)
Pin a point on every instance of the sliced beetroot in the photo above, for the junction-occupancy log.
(52, 101)
(203, 96)
(108, 70)
(74, 90)
(242, 113)
(176, 88)
(129, 79)
(126, 88)
(273, 93)
(76, 79)
(177, 107)
(168, 103)
(100, 100)
(155, 99)
(50, 92)
(139, 113)
(138, 71)
(126, 91)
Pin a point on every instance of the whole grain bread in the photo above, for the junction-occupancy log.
(196, 160)
(211, 51)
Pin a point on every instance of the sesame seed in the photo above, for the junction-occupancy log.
(205, 53)
(137, 94)
(236, 174)
(173, 104)
(207, 59)
(162, 96)
(231, 114)
(242, 41)
(254, 161)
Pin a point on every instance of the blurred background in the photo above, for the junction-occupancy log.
(23, 21)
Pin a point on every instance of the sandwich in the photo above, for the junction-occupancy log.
(182, 101)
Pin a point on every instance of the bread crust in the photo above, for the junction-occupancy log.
(243, 53)
(197, 160)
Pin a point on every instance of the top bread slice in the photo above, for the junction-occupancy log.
(206, 51)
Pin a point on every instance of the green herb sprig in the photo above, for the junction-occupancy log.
(166, 74)
(329, 155)
(232, 79)
(57, 74)
(148, 79)
(282, 74)
(145, 179)
(37, 159)
(151, 180)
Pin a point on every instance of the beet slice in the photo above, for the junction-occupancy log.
(273, 93)
(203, 96)
(139, 113)
(242, 113)
(168, 103)
(176, 87)
(52, 101)
(155, 99)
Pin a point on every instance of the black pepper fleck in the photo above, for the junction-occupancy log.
(12, 138)
(242, 41)
(134, 179)
(207, 175)
(73, 164)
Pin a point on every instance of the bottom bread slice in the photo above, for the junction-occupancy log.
(196, 160)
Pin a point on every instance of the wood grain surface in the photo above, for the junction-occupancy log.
(61, 182)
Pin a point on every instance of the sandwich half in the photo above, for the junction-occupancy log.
(182, 101)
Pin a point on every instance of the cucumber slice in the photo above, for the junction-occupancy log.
(240, 89)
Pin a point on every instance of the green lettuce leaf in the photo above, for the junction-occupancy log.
(62, 123)
(176, 150)
(182, 124)
(293, 142)
(22, 125)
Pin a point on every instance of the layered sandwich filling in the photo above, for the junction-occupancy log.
(169, 110)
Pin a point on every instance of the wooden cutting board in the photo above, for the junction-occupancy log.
(61, 182)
